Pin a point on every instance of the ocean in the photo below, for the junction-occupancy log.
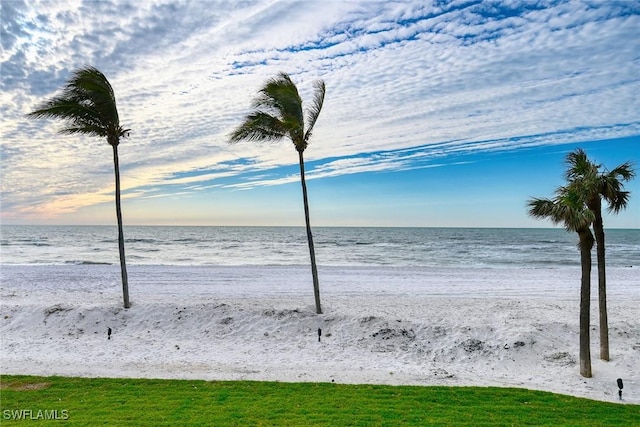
(287, 246)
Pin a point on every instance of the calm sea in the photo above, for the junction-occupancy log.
(335, 246)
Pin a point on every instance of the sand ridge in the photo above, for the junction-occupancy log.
(426, 340)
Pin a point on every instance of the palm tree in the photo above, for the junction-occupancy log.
(278, 113)
(88, 105)
(568, 207)
(598, 185)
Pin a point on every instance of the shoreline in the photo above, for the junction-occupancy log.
(239, 280)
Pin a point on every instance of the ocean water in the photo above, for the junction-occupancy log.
(287, 246)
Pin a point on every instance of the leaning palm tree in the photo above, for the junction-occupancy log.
(568, 208)
(88, 105)
(278, 113)
(597, 185)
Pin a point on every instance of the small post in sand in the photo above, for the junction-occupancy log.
(620, 387)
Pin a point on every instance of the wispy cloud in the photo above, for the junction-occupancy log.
(409, 85)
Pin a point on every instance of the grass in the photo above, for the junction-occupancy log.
(140, 402)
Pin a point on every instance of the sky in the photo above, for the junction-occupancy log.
(437, 113)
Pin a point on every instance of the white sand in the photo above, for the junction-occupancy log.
(498, 327)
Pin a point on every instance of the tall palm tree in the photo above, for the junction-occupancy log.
(597, 185)
(278, 113)
(568, 208)
(88, 106)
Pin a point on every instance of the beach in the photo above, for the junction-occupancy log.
(506, 327)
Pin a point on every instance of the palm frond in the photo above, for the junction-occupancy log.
(625, 171)
(543, 208)
(279, 96)
(314, 110)
(618, 202)
(74, 114)
(579, 165)
(94, 88)
(84, 130)
(259, 126)
(87, 104)
(611, 186)
(586, 177)
(277, 113)
(574, 211)
(567, 208)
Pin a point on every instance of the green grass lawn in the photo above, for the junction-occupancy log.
(139, 402)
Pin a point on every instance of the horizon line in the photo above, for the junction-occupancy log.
(303, 226)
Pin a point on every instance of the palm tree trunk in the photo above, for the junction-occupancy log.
(586, 243)
(312, 252)
(598, 229)
(123, 265)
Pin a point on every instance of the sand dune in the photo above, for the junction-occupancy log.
(383, 335)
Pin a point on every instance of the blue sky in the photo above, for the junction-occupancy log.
(436, 113)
